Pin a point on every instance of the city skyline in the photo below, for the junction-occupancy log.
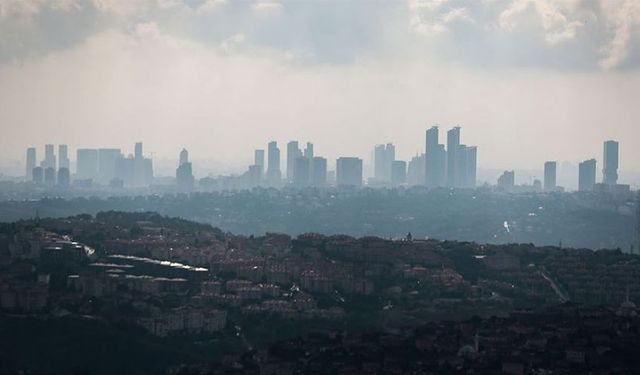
(304, 168)
(516, 74)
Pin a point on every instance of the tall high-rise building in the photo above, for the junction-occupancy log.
(437, 167)
(435, 164)
(507, 180)
(587, 175)
(147, 171)
(139, 166)
(471, 164)
(274, 175)
(293, 152)
(124, 172)
(301, 171)
(134, 170)
(64, 178)
(184, 156)
(49, 158)
(383, 157)
(453, 143)
(432, 138)
(416, 170)
(50, 176)
(349, 171)
(37, 175)
(550, 173)
(308, 151)
(461, 166)
(107, 162)
(258, 159)
(86, 164)
(31, 162)
(398, 172)
(252, 176)
(138, 151)
(63, 157)
(610, 167)
(318, 171)
(184, 173)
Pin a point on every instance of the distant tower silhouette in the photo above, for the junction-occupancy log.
(184, 156)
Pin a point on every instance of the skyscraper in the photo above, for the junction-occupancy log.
(63, 157)
(184, 173)
(432, 137)
(273, 167)
(293, 152)
(49, 158)
(147, 171)
(398, 172)
(37, 175)
(318, 171)
(31, 162)
(349, 171)
(610, 167)
(435, 164)
(416, 170)
(138, 150)
(184, 156)
(461, 166)
(50, 176)
(107, 161)
(507, 180)
(383, 157)
(124, 172)
(471, 164)
(453, 143)
(439, 159)
(86, 164)
(252, 176)
(258, 159)
(308, 151)
(138, 166)
(64, 178)
(301, 171)
(550, 170)
(587, 175)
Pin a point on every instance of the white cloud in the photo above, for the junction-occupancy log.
(147, 30)
(230, 44)
(457, 14)
(267, 5)
(427, 21)
(430, 5)
(211, 5)
(9, 8)
(623, 18)
(124, 8)
(560, 20)
(21, 8)
(424, 28)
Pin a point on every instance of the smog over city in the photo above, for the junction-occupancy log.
(319, 187)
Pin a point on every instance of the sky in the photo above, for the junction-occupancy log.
(527, 80)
